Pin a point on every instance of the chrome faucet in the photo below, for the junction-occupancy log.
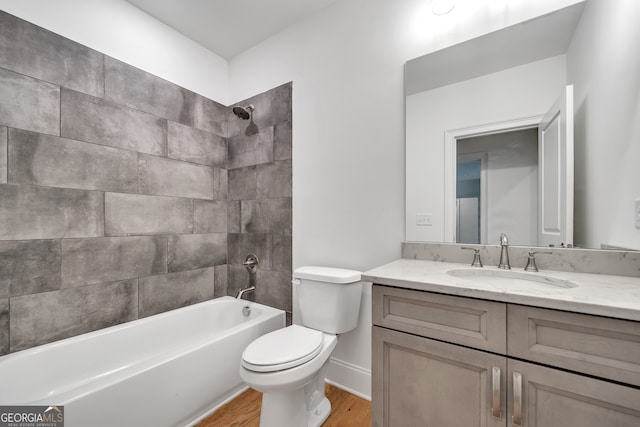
(477, 262)
(531, 262)
(241, 292)
(251, 263)
(504, 253)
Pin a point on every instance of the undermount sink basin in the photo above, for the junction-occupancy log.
(510, 277)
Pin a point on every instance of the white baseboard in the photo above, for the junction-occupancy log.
(349, 377)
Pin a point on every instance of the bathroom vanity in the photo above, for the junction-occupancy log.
(460, 346)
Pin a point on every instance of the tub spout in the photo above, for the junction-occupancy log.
(241, 292)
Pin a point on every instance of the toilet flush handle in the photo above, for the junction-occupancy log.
(296, 282)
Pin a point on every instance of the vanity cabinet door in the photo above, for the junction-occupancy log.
(422, 382)
(554, 398)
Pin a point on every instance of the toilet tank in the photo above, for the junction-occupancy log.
(329, 298)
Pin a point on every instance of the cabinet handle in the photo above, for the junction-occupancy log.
(517, 399)
(495, 404)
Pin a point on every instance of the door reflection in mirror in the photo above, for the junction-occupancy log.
(497, 187)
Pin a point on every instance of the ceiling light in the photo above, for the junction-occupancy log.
(442, 7)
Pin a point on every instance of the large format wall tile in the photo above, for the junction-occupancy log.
(281, 99)
(57, 162)
(233, 216)
(132, 214)
(166, 177)
(196, 146)
(4, 326)
(268, 180)
(36, 52)
(220, 183)
(3, 155)
(29, 266)
(274, 180)
(250, 150)
(49, 213)
(175, 290)
(281, 253)
(50, 316)
(27, 103)
(220, 282)
(95, 120)
(133, 87)
(266, 216)
(209, 216)
(282, 141)
(242, 183)
(274, 289)
(211, 116)
(89, 261)
(191, 251)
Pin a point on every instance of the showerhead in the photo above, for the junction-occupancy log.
(243, 112)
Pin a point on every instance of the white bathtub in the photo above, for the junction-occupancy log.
(171, 369)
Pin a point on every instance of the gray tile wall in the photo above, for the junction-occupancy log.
(259, 175)
(123, 195)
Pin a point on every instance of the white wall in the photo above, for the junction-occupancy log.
(603, 62)
(346, 64)
(519, 92)
(120, 30)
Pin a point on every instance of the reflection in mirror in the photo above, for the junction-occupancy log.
(497, 187)
(512, 77)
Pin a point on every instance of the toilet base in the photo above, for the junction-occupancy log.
(288, 410)
(316, 417)
(301, 407)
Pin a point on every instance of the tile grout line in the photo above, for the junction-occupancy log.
(9, 325)
(137, 298)
(60, 111)
(104, 77)
(7, 154)
(104, 214)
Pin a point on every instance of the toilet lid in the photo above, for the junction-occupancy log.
(282, 349)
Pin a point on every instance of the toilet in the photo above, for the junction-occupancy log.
(289, 365)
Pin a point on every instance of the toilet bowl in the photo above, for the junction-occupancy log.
(290, 384)
(289, 365)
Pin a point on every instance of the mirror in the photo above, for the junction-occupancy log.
(506, 81)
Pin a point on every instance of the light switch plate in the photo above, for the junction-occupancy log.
(637, 214)
(424, 219)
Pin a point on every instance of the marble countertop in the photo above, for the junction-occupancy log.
(603, 295)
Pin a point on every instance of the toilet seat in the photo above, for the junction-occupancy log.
(282, 349)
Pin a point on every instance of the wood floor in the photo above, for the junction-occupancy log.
(347, 410)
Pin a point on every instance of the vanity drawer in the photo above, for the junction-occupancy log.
(599, 346)
(475, 323)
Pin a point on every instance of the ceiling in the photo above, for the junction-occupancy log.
(226, 27)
